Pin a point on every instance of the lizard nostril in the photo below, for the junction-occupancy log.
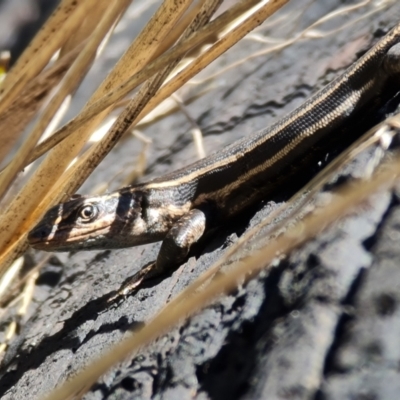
(38, 234)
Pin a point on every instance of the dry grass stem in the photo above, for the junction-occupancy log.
(141, 163)
(96, 154)
(62, 23)
(260, 14)
(113, 96)
(25, 298)
(88, 25)
(36, 197)
(7, 278)
(196, 130)
(308, 33)
(69, 84)
(17, 116)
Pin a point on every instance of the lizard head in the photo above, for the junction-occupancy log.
(101, 222)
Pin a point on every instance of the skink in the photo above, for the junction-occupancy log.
(178, 208)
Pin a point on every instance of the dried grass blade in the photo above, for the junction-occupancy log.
(16, 117)
(115, 95)
(179, 28)
(14, 251)
(35, 198)
(70, 82)
(260, 14)
(96, 154)
(64, 20)
(85, 29)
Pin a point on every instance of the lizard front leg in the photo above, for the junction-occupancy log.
(176, 245)
(174, 249)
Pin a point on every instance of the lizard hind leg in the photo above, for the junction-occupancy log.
(391, 62)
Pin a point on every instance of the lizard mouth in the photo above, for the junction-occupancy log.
(46, 237)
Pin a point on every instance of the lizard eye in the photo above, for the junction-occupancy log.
(88, 212)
